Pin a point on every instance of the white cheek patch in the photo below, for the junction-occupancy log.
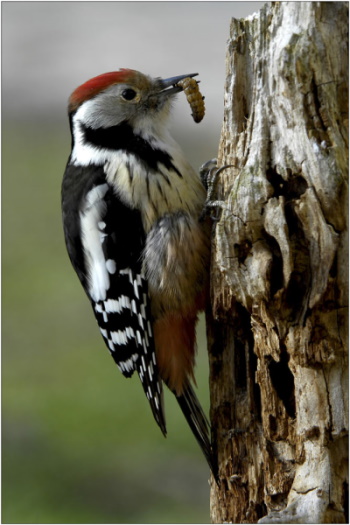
(85, 154)
(90, 218)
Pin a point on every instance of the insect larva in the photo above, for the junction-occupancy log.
(194, 97)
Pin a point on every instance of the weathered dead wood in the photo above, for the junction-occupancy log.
(278, 329)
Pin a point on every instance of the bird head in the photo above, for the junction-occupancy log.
(123, 96)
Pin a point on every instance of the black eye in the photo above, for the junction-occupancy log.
(128, 94)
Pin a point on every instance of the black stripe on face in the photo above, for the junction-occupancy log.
(122, 138)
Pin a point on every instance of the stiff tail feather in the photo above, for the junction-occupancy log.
(199, 424)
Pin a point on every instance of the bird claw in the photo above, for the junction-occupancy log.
(205, 171)
(218, 205)
(209, 173)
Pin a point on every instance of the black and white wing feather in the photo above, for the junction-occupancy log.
(105, 240)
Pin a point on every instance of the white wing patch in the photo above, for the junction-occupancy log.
(116, 305)
(92, 227)
(111, 266)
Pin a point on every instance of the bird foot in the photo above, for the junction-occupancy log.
(209, 175)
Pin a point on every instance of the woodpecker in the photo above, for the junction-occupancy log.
(134, 230)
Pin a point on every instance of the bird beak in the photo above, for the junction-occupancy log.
(171, 83)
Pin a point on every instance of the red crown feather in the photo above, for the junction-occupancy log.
(95, 85)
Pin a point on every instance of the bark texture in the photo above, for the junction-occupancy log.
(278, 328)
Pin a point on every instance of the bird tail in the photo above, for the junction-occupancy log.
(198, 423)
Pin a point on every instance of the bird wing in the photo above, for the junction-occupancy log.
(112, 240)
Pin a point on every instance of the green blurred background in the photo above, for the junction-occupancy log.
(79, 444)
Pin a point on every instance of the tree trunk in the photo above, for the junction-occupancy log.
(277, 332)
